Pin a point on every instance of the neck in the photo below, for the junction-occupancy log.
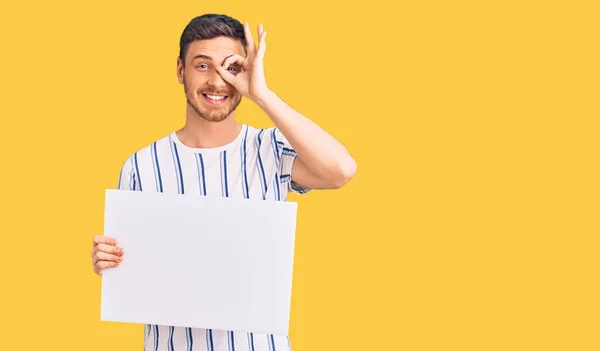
(200, 133)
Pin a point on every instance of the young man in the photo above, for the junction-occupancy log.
(212, 155)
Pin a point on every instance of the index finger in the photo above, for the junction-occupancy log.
(249, 40)
(103, 239)
(238, 59)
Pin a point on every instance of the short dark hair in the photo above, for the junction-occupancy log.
(209, 26)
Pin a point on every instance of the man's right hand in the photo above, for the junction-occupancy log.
(105, 253)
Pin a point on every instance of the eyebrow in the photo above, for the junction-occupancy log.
(202, 56)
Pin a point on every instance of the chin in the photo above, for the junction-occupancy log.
(214, 118)
(210, 114)
(214, 115)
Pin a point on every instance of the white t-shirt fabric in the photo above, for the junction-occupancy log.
(256, 165)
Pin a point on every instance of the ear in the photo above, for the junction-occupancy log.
(180, 70)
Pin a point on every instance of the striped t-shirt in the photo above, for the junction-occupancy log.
(256, 165)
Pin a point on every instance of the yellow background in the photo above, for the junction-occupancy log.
(472, 223)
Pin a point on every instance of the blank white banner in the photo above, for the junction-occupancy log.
(199, 261)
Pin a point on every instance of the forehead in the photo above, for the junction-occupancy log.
(218, 48)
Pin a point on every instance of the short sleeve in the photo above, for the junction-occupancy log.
(288, 156)
(127, 176)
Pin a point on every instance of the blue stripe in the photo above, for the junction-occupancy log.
(201, 175)
(157, 170)
(276, 184)
(245, 187)
(277, 193)
(231, 341)
(251, 341)
(243, 169)
(187, 338)
(152, 150)
(179, 168)
(260, 167)
(209, 340)
(171, 144)
(137, 170)
(190, 338)
(289, 343)
(225, 168)
(275, 149)
(221, 173)
(289, 152)
(224, 184)
(156, 338)
(271, 342)
(171, 329)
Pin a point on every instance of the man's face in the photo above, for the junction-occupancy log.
(206, 92)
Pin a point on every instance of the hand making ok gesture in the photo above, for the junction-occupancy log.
(249, 80)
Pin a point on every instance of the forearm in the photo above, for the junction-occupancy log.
(322, 154)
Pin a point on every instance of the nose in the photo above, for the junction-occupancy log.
(215, 80)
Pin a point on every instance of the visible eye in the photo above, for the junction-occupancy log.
(202, 65)
(233, 68)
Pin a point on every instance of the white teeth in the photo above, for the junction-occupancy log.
(215, 97)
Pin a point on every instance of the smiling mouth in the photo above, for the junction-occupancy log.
(215, 99)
